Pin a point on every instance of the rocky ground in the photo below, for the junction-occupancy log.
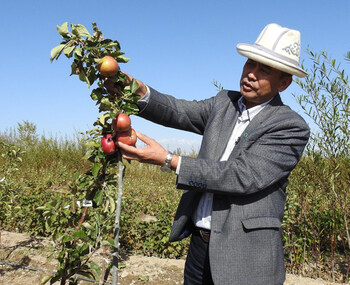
(23, 260)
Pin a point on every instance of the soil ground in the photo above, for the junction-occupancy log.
(23, 260)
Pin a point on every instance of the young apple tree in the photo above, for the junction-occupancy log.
(87, 217)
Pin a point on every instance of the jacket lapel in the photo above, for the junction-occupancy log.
(259, 119)
(263, 115)
(229, 120)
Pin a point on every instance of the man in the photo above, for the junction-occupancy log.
(235, 189)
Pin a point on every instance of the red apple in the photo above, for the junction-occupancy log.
(108, 145)
(121, 123)
(108, 66)
(128, 137)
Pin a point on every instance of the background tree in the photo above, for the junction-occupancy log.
(319, 209)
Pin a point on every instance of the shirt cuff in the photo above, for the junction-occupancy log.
(177, 171)
(142, 103)
(145, 98)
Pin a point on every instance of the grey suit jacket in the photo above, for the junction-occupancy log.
(249, 188)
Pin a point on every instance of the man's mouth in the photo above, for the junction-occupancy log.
(247, 86)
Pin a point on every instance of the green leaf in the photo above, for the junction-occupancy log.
(105, 105)
(97, 94)
(122, 59)
(90, 155)
(78, 52)
(96, 168)
(80, 234)
(83, 249)
(95, 267)
(80, 31)
(92, 144)
(94, 26)
(103, 118)
(109, 242)
(98, 197)
(91, 74)
(131, 108)
(112, 44)
(57, 277)
(112, 204)
(68, 51)
(134, 85)
(83, 77)
(87, 274)
(45, 279)
(47, 226)
(88, 226)
(56, 51)
(74, 68)
(63, 30)
(67, 238)
(41, 208)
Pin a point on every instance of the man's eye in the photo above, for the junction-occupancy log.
(265, 70)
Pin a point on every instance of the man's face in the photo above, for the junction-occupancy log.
(259, 83)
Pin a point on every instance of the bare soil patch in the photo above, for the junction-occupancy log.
(24, 260)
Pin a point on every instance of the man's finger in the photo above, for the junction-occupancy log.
(144, 138)
(109, 85)
(128, 155)
(127, 148)
(128, 79)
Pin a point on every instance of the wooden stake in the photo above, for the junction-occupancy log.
(117, 219)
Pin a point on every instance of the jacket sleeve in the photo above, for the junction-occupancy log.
(257, 163)
(176, 113)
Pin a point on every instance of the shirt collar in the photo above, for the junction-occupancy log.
(249, 114)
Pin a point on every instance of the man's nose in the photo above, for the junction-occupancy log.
(252, 73)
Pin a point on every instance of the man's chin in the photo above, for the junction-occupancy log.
(248, 93)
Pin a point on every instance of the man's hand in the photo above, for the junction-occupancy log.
(152, 153)
(141, 91)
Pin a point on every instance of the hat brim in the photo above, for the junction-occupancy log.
(268, 59)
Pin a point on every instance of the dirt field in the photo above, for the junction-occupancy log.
(24, 261)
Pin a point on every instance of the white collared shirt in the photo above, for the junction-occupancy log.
(202, 216)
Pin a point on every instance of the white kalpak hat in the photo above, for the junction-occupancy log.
(277, 47)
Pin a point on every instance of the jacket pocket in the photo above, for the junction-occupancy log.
(261, 223)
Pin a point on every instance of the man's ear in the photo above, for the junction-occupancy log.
(285, 82)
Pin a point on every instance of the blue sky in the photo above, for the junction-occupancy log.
(177, 47)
